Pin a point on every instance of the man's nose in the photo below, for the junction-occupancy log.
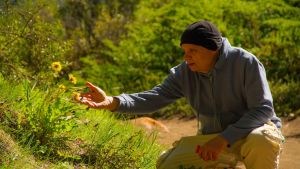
(186, 56)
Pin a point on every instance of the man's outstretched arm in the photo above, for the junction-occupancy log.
(151, 100)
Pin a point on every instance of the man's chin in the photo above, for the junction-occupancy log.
(192, 67)
(202, 71)
(198, 71)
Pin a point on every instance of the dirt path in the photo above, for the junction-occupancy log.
(290, 158)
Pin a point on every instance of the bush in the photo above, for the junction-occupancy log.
(30, 38)
(40, 120)
(286, 97)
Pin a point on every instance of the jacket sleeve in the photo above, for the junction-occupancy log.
(259, 103)
(154, 99)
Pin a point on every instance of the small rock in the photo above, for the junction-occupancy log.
(291, 117)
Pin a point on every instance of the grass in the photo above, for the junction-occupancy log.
(115, 143)
(41, 128)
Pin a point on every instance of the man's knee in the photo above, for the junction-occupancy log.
(262, 147)
(262, 143)
(264, 140)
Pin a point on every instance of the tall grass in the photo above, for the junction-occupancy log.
(115, 143)
(55, 132)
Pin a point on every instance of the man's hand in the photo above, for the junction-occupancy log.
(96, 98)
(212, 149)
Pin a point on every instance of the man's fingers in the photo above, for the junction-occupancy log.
(209, 156)
(90, 103)
(94, 88)
(204, 155)
(82, 99)
(198, 149)
(215, 156)
(90, 85)
(87, 94)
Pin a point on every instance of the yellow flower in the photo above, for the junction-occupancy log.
(76, 96)
(62, 87)
(56, 66)
(72, 79)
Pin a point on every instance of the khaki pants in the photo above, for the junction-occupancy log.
(259, 150)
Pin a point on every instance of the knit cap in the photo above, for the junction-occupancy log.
(202, 33)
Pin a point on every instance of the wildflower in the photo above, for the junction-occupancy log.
(62, 87)
(72, 79)
(56, 66)
(76, 96)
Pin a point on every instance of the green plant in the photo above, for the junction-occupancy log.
(112, 143)
(286, 97)
(30, 38)
(44, 119)
(52, 128)
(49, 118)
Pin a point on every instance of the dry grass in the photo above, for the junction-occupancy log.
(12, 156)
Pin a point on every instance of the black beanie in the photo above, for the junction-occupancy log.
(202, 33)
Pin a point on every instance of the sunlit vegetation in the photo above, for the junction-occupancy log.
(49, 48)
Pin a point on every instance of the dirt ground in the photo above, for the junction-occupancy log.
(290, 158)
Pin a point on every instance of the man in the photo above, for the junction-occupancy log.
(228, 89)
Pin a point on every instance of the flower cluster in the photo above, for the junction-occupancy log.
(57, 68)
(72, 79)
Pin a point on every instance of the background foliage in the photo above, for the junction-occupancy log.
(129, 46)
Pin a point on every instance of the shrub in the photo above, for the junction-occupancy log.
(286, 97)
(30, 38)
(40, 120)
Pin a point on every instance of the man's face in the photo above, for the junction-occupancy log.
(198, 58)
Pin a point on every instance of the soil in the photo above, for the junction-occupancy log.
(289, 159)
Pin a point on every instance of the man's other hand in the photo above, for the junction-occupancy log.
(212, 149)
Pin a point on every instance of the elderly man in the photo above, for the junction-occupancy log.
(228, 89)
